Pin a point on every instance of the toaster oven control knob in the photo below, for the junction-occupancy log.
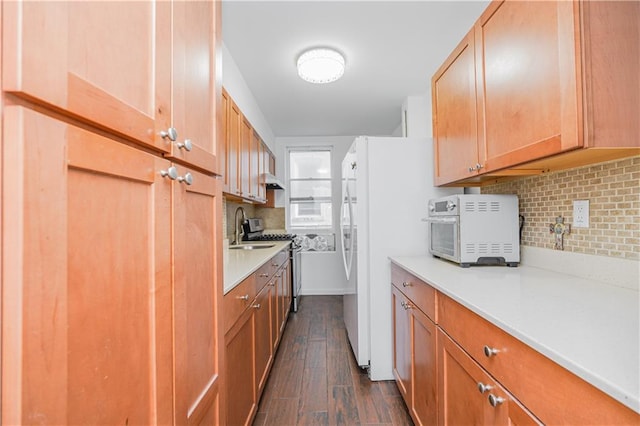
(432, 208)
(451, 205)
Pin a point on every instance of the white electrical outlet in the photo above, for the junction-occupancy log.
(581, 213)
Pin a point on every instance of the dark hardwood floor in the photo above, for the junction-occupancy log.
(316, 381)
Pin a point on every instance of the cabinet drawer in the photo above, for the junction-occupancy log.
(420, 293)
(278, 260)
(237, 300)
(263, 275)
(544, 387)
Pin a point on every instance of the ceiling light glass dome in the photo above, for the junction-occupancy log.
(321, 65)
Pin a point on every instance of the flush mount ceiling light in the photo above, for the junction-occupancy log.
(320, 65)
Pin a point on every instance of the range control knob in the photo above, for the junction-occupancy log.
(451, 205)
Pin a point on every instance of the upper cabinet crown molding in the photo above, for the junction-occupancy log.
(532, 80)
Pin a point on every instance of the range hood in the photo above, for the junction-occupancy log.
(272, 182)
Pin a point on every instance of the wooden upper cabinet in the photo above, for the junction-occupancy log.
(86, 324)
(455, 117)
(254, 171)
(233, 148)
(193, 67)
(246, 133)
(547, 95)
(106, 63)
(528, 68)
(223, 147)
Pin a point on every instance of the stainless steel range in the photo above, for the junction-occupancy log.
(254, 231)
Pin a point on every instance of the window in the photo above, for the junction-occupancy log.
(310, 189)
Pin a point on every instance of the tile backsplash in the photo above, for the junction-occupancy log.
(613, 191)
(274, 218)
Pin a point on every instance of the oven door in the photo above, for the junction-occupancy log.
(444, 238)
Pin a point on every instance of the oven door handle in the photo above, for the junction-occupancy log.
(445, 219)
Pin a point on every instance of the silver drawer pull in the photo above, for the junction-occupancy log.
(256, 306)
(406, 284)
(489, 352)
(483, 388)
(271, 284)
(186, 145)
(245, 297)
(171, 173)
(170, 133)
(495, 400)
(263, 275)
(187, 178)
(405, 305)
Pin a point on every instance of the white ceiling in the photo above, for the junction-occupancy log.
(392, 49)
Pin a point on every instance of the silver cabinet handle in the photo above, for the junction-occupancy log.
(186, 145)
(495, 400)
(483, 388)
(405, 305)
(245, 297)
(263, 275)
(472, 169)
(479, 166)
(406, 284)
(272, 284)
(170, 133)
(256, 306)
(489, 352)
(171, 173)
(187, 178)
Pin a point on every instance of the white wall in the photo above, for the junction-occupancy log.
(234, 83)
(416, 110)
(322, 273)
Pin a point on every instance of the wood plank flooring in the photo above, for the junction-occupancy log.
(316, 381)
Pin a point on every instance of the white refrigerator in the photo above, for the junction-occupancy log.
(386, 183)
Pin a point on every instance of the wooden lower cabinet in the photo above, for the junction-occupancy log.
(446, 378)
(468, 395)
(197, 267)
(240, 352)
(110, 286)
(254, 327)
(87, 285)
(263, 311)
(414, 361)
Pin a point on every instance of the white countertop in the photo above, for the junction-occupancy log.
(590, 328)
(239, 264)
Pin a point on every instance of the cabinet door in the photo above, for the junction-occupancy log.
(254, 171)
(276, 285)
(197, 211)
(285, 299)
(424, 376)
(107, 63)
(468, 395)
(223, 148)
(262, 190)
(401, 344)
(263, 311)
(233, 148)
(86, 338)
(246, 131)
(240, 384)
(526, 65)
(457, 142)
(193, 64)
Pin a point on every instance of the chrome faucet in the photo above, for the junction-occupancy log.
(238, 231)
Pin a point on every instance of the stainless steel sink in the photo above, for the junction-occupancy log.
(250, 246)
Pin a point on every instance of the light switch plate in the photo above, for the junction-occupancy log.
(581, 213)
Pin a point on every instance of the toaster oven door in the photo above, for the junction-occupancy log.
(444, 237)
